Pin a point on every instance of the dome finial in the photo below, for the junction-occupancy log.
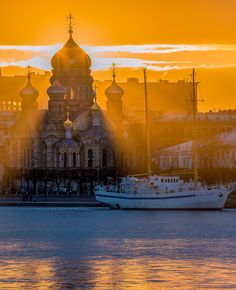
(68, 124)
(29, 73)
(95, 93)
(114, 90)
(95, 106)
(68, 112)
(29, 94)
(70, 20)
(114, 71)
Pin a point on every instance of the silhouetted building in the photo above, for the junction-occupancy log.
(68, 146)
(114, 94)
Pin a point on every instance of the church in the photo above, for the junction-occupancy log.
(72, 145)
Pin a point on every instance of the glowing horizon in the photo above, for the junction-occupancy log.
(158, 57)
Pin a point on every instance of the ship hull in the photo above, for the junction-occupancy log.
(202, 199)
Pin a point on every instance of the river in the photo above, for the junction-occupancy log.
(97, 248)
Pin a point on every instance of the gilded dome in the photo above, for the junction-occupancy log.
(114, 90)
(29, 91)
(56, 90)
(68, 124)
(95, 107)
(71, 56)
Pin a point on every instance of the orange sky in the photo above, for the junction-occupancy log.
(119, 22)
(133, 22)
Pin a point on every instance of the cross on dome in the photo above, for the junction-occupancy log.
(29, 72)
(70, 23)
(114, 71)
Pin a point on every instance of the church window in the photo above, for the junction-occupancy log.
(24, 158)
(65, 160)
(45, 159)
(44, 155)
(32, 159)
(58, 160)
(90, 153)
(74, 160)
(104, 158)
(90, 158)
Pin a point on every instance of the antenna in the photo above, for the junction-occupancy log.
(147, 125)
(195, 112)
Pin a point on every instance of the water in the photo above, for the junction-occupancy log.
(78, 248)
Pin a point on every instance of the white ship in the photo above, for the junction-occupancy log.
(164, 192)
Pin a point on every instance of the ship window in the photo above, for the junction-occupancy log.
(161, 180)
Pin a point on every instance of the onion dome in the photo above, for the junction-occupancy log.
(29, 92)
(56, 90)
(70, 55)
(68, 124)
(114, 90)
(94, 93)
(95, 107)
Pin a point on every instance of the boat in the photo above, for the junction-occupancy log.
(164, 192)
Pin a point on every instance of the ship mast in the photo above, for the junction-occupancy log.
(147, 124)
(195, 112)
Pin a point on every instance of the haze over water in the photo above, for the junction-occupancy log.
(61, 248)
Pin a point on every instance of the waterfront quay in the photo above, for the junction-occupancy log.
(63, 201)
(70, 201)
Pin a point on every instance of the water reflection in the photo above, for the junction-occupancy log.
(117, 274)
(74, 249)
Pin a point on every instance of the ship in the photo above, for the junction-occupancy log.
(164, 192)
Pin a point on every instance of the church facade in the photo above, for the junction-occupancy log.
(72, 145)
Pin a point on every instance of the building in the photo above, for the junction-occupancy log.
(218, 151)
(162, 94)
(74, 144)
(11, 85)
(69, 146)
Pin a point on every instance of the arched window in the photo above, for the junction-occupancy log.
(65, 160)
(90, 153)
(58, 163)
(24, 158)
(44, 155)
(90, 158)
(74, 160)
(32, 159)
(104, 158)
